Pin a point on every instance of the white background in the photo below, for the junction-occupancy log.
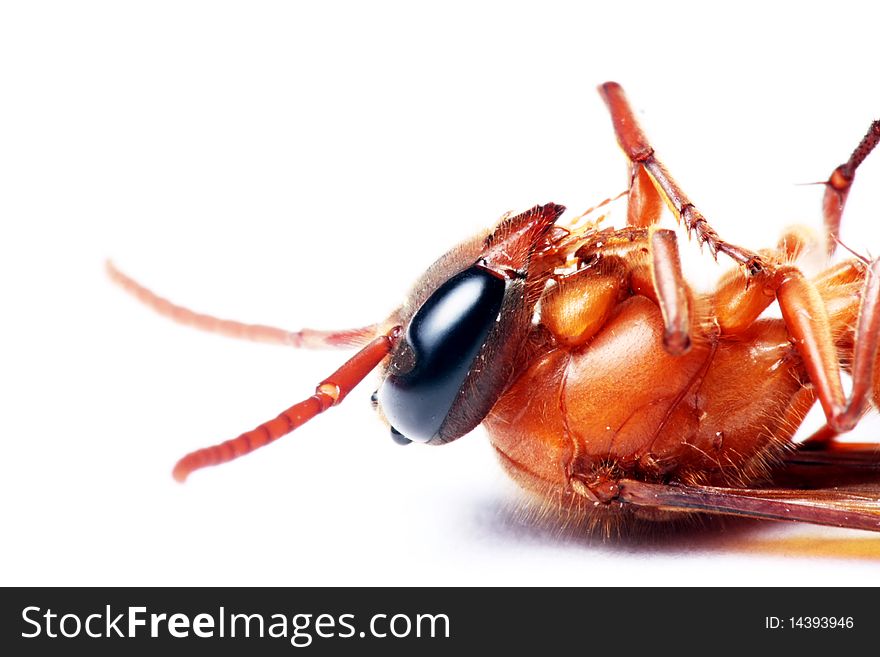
(300, 164)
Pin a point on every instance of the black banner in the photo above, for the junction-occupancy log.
(435, 621)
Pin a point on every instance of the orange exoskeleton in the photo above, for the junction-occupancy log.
(607, 385)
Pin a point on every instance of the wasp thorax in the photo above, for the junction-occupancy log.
(438, 350)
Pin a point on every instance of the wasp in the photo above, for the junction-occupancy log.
(607, 385)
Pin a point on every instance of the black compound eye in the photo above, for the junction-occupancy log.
(399, 438)
(444, 338)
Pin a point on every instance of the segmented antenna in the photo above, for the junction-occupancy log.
(304, 339)
(330, 392)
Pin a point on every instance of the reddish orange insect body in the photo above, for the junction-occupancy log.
(609, 387)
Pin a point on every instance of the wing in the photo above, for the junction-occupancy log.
(854, 456)
(847, 465)
(838, 489)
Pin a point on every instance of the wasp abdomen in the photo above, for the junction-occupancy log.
(623, 404)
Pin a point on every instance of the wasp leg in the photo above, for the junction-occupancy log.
(305, 338)
(577, 307)
(842, 288)
(818, 315)
(647, 168)
(663, 282)
(738, 301)
(839, 183)
(644, 203)
(657, 277)
(807, 321)
(843, 273)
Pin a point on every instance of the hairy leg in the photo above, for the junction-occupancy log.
(648, 168)
(839, 183)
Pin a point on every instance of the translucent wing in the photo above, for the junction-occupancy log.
(838, 489)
